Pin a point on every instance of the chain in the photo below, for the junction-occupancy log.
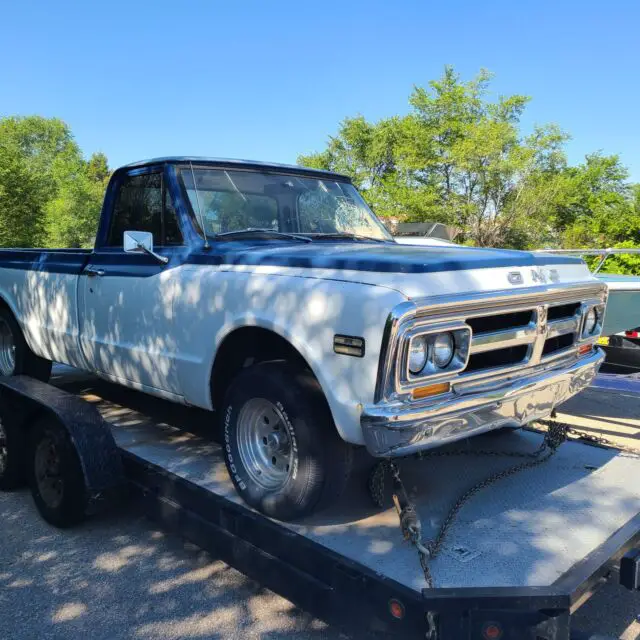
(409, 520)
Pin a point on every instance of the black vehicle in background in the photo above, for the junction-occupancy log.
(623, 352)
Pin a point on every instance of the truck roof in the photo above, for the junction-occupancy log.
(239, 164)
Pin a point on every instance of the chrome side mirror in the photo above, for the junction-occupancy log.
(141, 242)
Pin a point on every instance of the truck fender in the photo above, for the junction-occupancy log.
(24, 400)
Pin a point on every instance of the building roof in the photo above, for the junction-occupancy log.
(239, 164)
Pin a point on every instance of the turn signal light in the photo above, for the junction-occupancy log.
(431, 390)
(585, 348)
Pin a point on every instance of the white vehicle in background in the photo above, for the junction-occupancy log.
(273, 295)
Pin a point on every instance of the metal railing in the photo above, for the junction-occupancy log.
(603, 253)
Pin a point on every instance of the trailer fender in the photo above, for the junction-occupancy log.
(24, 400)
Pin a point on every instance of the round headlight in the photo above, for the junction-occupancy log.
(417, 354)
(443, 348)
(590, 322)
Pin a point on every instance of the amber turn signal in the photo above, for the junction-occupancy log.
(431, 390)
(585, 348)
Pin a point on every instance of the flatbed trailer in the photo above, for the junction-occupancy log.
(520, 557)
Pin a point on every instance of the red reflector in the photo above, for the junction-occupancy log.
(585, 348)
(492, 631)
(632, 334)
(396, 609)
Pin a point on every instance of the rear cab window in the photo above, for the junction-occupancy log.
(143, 203)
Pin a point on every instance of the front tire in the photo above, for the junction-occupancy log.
(281, 448)
(15, 356)
(56, 478)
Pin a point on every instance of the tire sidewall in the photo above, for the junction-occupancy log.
(26, 362)
(18, 341)
(72, 508)
(303, 486)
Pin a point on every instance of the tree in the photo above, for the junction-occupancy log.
(49, 195)
(459, 158)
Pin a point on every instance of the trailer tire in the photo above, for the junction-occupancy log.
(55, 475)
(15, 356)
(12, 456)
(281, 447)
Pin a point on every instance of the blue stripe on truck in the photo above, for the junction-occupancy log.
(382, 258)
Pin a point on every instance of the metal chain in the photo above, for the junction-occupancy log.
(409, 520)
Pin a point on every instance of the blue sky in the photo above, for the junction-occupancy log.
(269, 80)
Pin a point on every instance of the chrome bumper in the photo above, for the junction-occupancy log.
(397, 429)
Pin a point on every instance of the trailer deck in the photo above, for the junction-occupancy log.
(549, 533)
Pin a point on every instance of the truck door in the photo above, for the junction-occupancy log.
(126, 299)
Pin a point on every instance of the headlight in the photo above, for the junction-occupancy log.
(417, 354)
(590, 323)
(443, 349)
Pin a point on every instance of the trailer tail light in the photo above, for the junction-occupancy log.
(492, 631)
(632, 334)
(396, 609)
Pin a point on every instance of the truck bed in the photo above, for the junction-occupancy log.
(56, 260)
(531, 529)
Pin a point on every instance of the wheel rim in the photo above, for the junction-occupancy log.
(264, 443)
(48, 473)
(4, 452)
(7, 349)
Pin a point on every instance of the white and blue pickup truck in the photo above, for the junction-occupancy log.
(274, 296)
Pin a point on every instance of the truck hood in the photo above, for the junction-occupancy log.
(414, 271)
(384, 258)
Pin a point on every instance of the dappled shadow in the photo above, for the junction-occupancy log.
(116, 577)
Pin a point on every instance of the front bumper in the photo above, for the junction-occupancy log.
(402, 428)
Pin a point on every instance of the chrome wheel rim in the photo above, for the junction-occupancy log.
(264, 443)
(4, 452)
(7, 349)
(48, 475)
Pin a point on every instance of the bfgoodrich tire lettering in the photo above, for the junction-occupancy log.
(281, 447)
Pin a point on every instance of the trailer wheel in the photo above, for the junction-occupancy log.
(15, 356)
(12, 456)
(281, 447)
(56, 478)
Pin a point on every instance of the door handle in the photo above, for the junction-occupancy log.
(92, 273)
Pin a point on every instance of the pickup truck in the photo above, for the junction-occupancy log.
(273, 296)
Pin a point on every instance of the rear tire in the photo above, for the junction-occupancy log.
(15, 356)
(281, 447)
(55, 475)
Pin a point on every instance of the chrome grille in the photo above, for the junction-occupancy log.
(515, 337)
(512, 331)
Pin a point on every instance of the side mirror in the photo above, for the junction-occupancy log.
(138, 241)
(141, 242)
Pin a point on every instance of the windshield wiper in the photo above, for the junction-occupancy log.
(264, 232)
(339, 235)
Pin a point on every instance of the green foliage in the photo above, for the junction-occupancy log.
(49, 195)
(460, 158)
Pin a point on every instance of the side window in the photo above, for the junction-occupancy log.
(144, 204)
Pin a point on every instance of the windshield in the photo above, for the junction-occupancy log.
(228, 200)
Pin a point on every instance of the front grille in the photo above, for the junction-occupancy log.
(561, 311)
(541, 332)
(500, 322)
(559, 343)
(497, 358)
